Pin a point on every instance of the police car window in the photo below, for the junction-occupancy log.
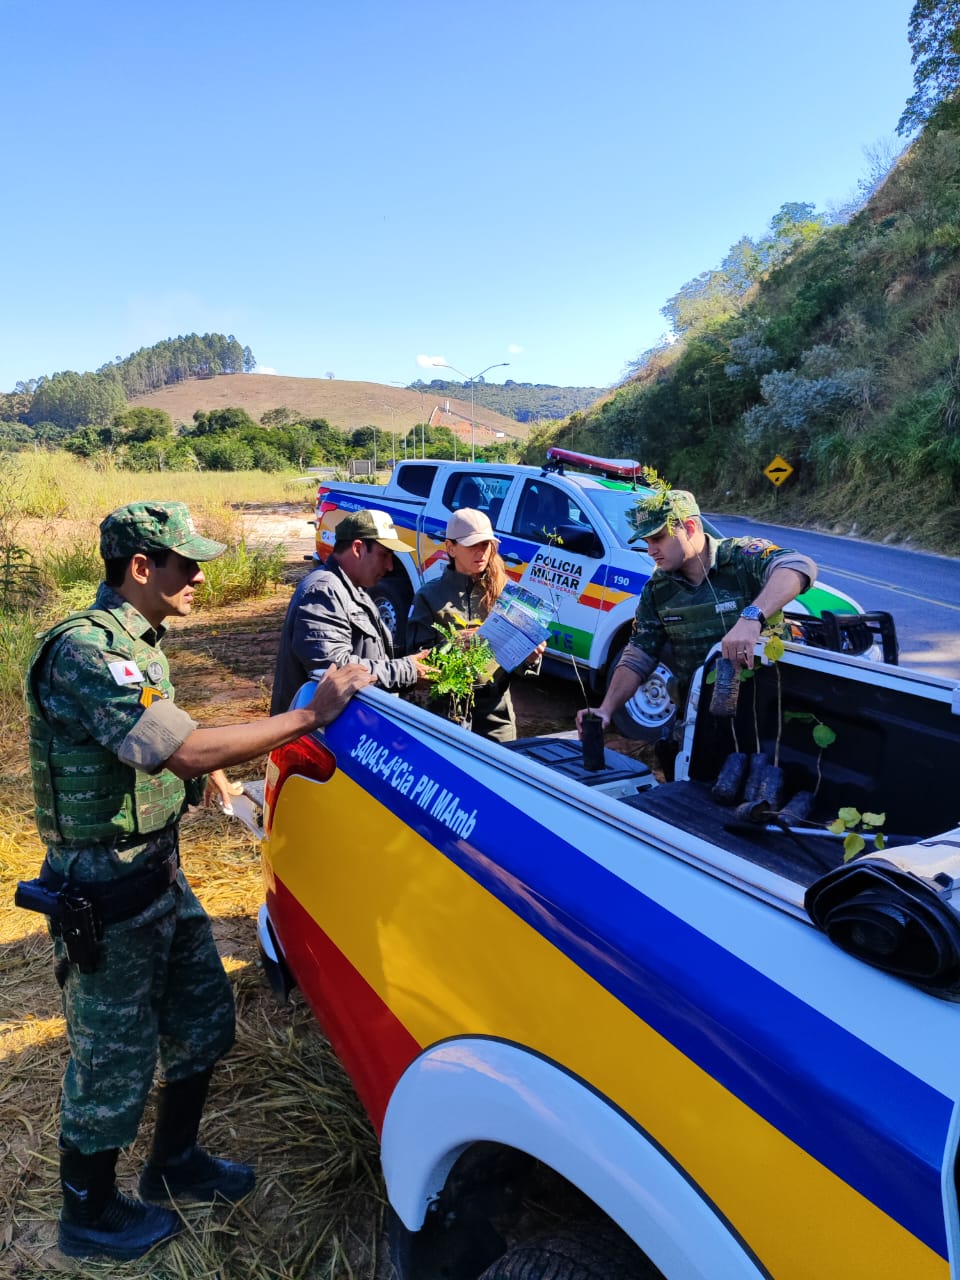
(544, 512)
(416, 479)
(477, 489)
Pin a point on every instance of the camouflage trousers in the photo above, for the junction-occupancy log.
(160, 992)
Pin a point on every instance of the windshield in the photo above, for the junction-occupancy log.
(614, 504)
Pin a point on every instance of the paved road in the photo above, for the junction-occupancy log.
(921, 590)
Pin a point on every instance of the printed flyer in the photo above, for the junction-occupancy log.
(518, 623)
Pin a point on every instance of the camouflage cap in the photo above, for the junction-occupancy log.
(660, 508)
(154, 526)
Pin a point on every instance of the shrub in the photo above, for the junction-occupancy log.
(241, 572)
(79, 565)
(18, 636)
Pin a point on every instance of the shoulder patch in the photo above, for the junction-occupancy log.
(125, 672)
(758, 547)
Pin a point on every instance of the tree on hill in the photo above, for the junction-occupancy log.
(933, 30)
(176, 359)
(218, 421)
(280, 417)
(74, 400)
(140, 424)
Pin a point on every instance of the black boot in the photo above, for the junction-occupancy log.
(178, 1168)
(97, 1221)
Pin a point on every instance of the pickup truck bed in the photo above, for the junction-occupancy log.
(603, 982)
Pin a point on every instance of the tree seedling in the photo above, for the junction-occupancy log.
(456, 667)
(858, 825)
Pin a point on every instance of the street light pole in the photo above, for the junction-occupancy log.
(442, 364)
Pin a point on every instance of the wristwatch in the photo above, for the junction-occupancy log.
(753, 614)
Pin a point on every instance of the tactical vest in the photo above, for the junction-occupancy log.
(82, 792)
(695, 620)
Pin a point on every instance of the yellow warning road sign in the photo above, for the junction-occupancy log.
(778, 470)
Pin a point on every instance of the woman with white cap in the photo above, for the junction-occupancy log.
(463, 595)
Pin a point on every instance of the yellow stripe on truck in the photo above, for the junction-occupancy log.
(442, 953)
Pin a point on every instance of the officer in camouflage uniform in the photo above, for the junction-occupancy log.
(702, 591)
(115, 761)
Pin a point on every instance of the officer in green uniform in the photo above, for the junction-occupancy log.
(114, 762)
(703, 591)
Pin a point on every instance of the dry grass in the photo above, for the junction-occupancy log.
(71, 495)
(280, 1099)
(346, 405)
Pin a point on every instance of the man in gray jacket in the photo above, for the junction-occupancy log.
(332, 621)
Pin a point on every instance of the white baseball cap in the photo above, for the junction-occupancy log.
(469, 526)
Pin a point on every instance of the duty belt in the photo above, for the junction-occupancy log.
(115, 900)
(78, 912)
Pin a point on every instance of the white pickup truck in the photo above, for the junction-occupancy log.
(608, 1028)
(565, 535)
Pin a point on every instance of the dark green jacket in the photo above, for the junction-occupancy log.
(443, 600)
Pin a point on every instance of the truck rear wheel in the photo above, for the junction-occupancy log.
(393, 597)
(650, 713)
(582, 1252)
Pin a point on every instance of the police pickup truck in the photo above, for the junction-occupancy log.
(565, 535)
(607, 1027)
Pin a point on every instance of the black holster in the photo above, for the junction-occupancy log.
(72, 918)
(78, 911)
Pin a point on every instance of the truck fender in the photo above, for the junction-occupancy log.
(477, 1089)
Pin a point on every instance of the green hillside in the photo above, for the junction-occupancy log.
(833, 345)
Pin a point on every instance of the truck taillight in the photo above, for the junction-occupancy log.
(306, 757)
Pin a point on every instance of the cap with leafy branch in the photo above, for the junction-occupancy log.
(661, 508)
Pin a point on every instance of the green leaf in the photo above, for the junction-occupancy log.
(711, 677)
(852, 846)
(837, 826)
(878, 841)
(823, 735)
(774, 649)
(874, 819)
(849, 816)
(804, 716)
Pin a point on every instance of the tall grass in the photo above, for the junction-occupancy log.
(60, 569)
(18, 636)
(241, 572)
(58, 485)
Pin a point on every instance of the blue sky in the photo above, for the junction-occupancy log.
(348, 184)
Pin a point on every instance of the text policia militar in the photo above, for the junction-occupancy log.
(551, 570)
(441, 804)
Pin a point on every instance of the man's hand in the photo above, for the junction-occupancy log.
(421, 664)
(740, 641)
(592, 711)
(220, 787)
(336, 689)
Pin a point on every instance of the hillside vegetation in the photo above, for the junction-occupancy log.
(840, 353)
(523, 401)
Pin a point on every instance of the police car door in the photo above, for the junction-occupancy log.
(553, 549)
